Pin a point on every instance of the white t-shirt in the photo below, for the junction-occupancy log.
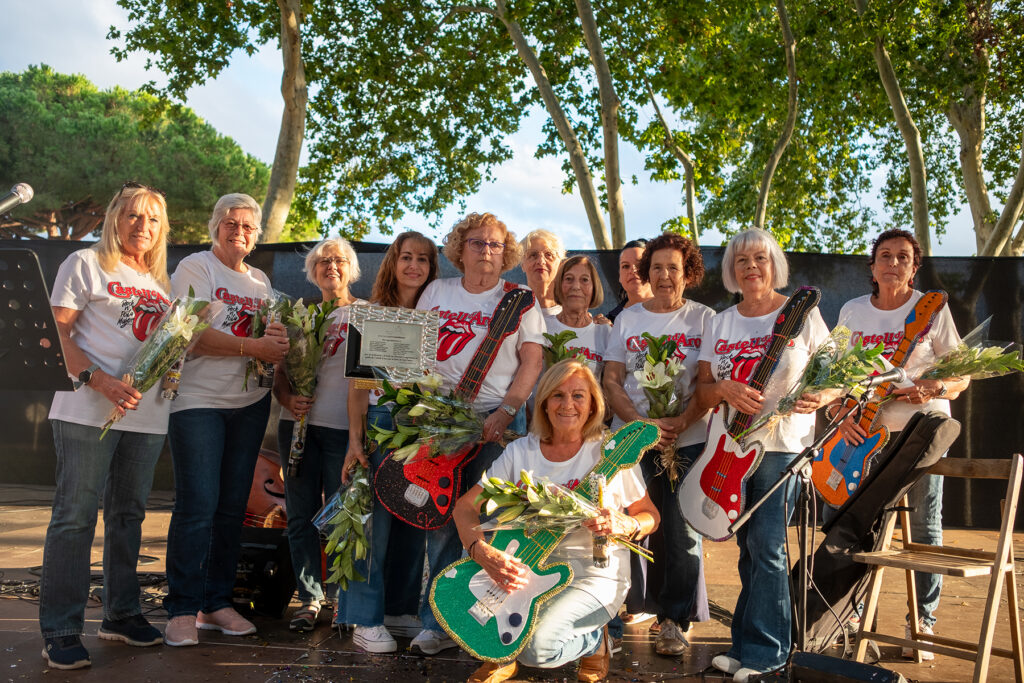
(873, 325)
(216, 381)
(330, 407)
(734, 348)
(608, 584)
(464, 321)
(687, 325)
(591, 341)
(550, 311)
(117, 311)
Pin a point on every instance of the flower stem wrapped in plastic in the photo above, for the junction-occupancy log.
(273, 309)
(427, 423)
(307, 328)
(177, 331)
(834, 365)
(537, 505)
(657, 379)
(345, 521)
(977, 357)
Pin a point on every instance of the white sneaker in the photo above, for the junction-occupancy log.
(430, 642)
(924, 629)
(745, 674)
(404, 626)
(376, 639)
(726, 664)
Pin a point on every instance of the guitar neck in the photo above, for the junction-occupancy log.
(469, 386)
(899, 357)
(742, 421)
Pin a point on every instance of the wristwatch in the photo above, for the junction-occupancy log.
(85, 376)
(943, 391)
(509, 410)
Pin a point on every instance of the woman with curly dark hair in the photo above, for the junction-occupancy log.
(675, 589)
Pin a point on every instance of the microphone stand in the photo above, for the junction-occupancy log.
(804, 498)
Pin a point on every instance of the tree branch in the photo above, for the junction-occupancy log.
(680, 154)
(997, 243)
(789, 43)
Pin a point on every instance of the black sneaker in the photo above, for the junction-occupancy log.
(134, 630)
(66, 652)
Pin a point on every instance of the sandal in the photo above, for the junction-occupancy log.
(304, 618)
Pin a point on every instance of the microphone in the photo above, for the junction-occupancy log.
(21, 193)
(896, 375)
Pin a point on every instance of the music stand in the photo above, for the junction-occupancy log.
(31, 357)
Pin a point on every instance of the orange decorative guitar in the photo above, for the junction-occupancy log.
(839, 467)
(713, 493)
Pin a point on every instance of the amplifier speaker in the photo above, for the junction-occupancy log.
(808, 667)
(264, 579)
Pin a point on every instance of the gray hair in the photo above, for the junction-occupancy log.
(546, 236)
(753, 238)
(338, 244)
(235, 200)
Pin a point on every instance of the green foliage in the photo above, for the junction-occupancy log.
(69, 140)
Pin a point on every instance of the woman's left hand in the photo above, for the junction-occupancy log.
(923, 391)
(495, 425)
(611, 523)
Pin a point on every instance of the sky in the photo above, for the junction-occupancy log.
(244, 103)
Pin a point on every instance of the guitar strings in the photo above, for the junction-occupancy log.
(475, 373)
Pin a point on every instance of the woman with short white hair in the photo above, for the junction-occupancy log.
(216, 427)
(332, 266)
(734, 343)
(543, 252)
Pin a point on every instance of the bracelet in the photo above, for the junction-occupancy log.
(639, 528)
(469, 550)
(241, 348)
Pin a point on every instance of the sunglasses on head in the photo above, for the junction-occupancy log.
(133, 185)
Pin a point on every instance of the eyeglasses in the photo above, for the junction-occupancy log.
(479, 245)
(133, 185)
(548, 256)
(232, 226)
(338, 261)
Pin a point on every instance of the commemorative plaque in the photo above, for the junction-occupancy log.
(401, 343)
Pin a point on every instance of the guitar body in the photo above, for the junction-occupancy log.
(839, 469)
(711, 501)
(422, 492)
(493, 624)
(713, 493)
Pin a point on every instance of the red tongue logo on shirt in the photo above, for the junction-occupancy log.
(452, 338)
(743, 365)
(147, 311)
(334, 340)
(242, 327)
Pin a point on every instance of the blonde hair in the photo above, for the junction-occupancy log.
(455, 241)
(754, 237)
(385, 287)
(547, 237)
(558, 373)
(108, 248)
(596, 296)
(340, 245)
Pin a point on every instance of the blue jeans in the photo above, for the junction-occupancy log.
(318, 479)
(762, 620)
(393, 567)
(926, 527)
(121, 467)
(214, 452)
(443, 545)
(568, 627)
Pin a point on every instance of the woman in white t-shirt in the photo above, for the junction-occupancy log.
(105, 301)
(332, 266)
(577, 290)
(879, 318)
(632, 290)
(217, 427)
(543, 251)
(734, 343)
(483, 248)
(565, 445)
(386, 604)
(674, 589)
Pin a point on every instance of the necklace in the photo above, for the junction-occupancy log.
(581, 319)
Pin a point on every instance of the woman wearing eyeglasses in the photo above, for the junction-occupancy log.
(105, 301)
(543, 252)
(332, 266)
(216, 427)
(483, 248)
